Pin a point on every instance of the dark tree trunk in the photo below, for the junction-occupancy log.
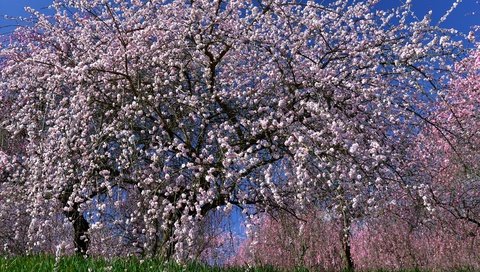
(168, 244)
(81, 239)
(167, 248)
(347, 253)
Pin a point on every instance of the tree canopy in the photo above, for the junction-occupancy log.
(181, 108)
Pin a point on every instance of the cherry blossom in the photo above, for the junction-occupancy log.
(180, 108)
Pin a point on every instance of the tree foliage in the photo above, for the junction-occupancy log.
(180, 108)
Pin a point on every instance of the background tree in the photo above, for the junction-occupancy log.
(429, 220)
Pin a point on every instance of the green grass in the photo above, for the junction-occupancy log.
(77, 264)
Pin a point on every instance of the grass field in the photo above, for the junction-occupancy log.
(77, 264)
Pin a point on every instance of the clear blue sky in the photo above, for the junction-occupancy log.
(462, 18)
(466, 15)
(16, 8)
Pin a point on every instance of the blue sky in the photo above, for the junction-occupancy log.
(462, 18)
(466, 15)
(16, 8)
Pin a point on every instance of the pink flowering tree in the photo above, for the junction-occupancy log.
(429, 220)
(198, 105)
(449, 147)
(281, 240)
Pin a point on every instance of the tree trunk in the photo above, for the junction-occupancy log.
(168, 244)
(81, 226)
(81, 239)
(166, 250)
(347, 253)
